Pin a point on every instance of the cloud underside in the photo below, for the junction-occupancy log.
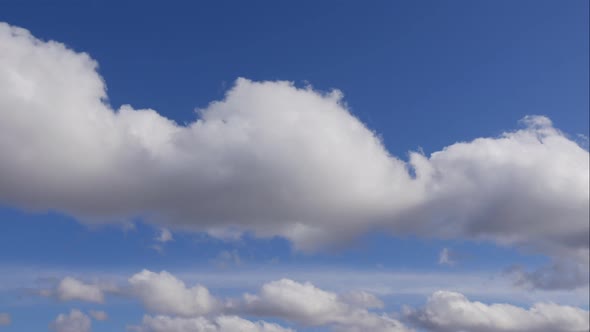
(173, 306)
(276, 160)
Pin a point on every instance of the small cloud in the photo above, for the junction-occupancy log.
(227, 258)
(5, 319)
(447, 257)
(565, 274)
(165, 236)
(72, 289)
(158, 248)
(74, 321)
(99, 315)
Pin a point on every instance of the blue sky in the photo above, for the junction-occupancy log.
(416, 76)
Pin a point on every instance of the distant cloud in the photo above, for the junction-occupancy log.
(99, 315)
(446, 257)
(165, 236)
(5, 319)
(75, 321)
(305, 304)
(227, 258)
(274, 160)
(201, 324)
(559, 275)
(163, 293)
(174, 306)
(449, 311)
(72, 289)
(180, 308)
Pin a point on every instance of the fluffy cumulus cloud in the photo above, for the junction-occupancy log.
(5, 319)
(307, 305)
(200, 324)
(275, 159)
(449, 312)
(73, 289)
(75, 321)
(163, 293)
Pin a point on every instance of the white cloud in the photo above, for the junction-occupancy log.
(72, 289)
(227, 258)
(75, 321)
(201, 324)
(308, 305)
(163, 293)
(98, 315)
(444, 258)
(449, 311)
(165, 236)
(5, 319)
(275, 160)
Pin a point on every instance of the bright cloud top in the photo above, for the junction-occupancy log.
(75, 321)
(274, 159)
(450, 311)
(163, 293)
(308, 305)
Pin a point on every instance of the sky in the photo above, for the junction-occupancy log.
(294, 166)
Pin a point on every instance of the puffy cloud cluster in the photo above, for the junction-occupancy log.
(308, 305)
(75, 321)
(275, 160)
(449, 311)
(175, 307)
(179, 308)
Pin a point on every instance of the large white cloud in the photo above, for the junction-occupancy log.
(201, 324)
(163, 293)
(275, 160)
(308, 305)
(75, 321)
(449, 312)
